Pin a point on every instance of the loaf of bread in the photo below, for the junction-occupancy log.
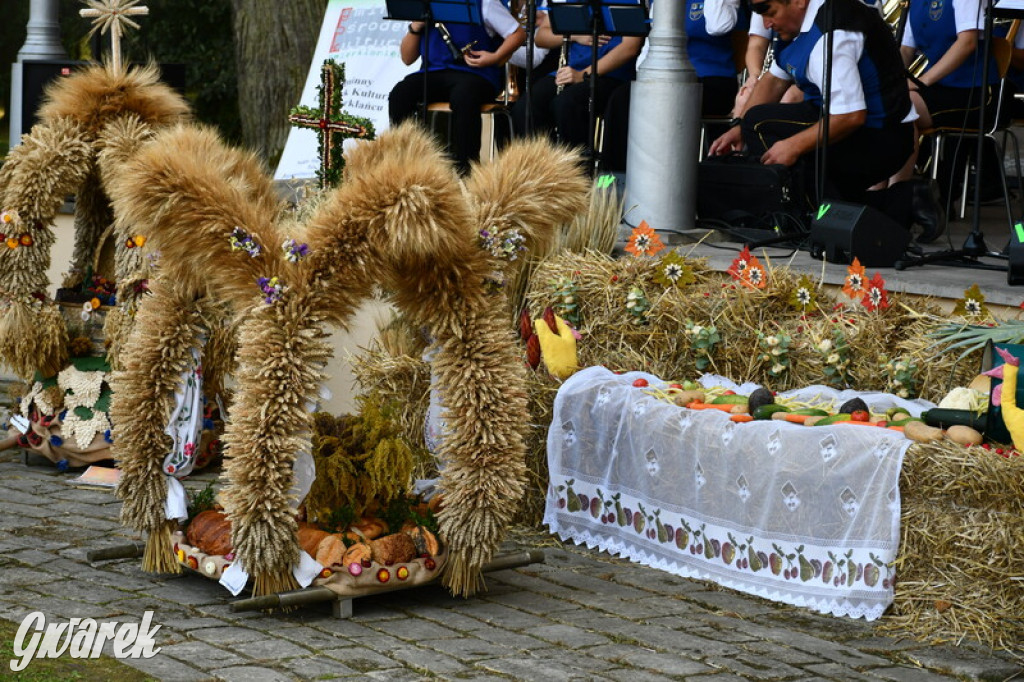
(309, 537)
(210, 533)
(397, 548)
(330, 551)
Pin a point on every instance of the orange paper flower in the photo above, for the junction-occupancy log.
(644, 241)
(755, 276)
(876, 297)
(739, 265)
(853, 287)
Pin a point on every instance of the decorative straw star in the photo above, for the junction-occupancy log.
(114, 15)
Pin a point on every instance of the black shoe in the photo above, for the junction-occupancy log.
(927, 210)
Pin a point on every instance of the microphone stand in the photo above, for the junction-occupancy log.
(531, 27)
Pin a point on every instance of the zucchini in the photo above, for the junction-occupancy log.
(833, 419)
(811, 412)
(730, 400)
(944, 418)
(766, 411)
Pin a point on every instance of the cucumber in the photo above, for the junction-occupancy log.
(833, 419)
(811, 412)
(730, 400)
(903, 422)
(944, 418)
(766, 411)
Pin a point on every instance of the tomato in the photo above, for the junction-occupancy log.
(728, 391)
(676, 386)
(860, 416)
(640, 383)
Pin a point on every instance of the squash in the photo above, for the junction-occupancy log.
(921, 432)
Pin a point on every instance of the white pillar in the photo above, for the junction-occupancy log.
(41, 42)
(664, 128)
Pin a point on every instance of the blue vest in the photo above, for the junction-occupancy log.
(934, 25)
(886, 97)
(710, 55)
(462, 34)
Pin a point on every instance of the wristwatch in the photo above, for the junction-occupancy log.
(415, 33)
(733, 122)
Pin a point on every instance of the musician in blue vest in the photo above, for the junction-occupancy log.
(560, 100)
(713, 56)
(464, 69)
(871, 132)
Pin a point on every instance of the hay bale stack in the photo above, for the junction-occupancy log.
(961, 564)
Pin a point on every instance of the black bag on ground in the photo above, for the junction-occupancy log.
(741, 191)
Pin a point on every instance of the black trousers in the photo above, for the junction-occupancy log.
(566, 114)
(717, 97)
(465, 93)
(862, 159)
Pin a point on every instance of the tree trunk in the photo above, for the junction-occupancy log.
(274, 43)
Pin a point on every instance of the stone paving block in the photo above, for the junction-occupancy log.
(531, 583)
(963, 662)
(30, 510)
(773, 651)
(838, 671)
(908, 674)
(755, 667)
(428, 662)
(569, 636)
(317, 668)
(345, 628)
(516, 640)
(202, 655)
(417, 630)
(530, 669)
(648, 659)
(269, 649)
(192, 592)
(398, 675)
(576, 660)
(531, 602)
(251, 673)
(449, 617)
(682, 642)
(12, 496)
(467, 649)
(166, 669)
(731, 601)
(310, 637)
(502, 616)
(361, 659)
(228, 635)
(91, 592)
(832, 651)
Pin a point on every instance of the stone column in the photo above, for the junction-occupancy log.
(42, 42)
(664, 128)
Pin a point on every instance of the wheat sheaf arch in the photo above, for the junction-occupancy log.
(81, 116)
(401, 220)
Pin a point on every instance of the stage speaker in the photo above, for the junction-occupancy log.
(1015, 255)
(844, 231)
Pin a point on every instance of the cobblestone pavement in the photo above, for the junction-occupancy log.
(579, 615)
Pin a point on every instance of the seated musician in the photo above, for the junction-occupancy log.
(871, 132)
(560, 101)
(464, 69)
(713, 56)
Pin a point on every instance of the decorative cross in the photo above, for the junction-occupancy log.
(114, 15)
(334, 125)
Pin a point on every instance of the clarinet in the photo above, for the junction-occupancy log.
(563, 59)
(446, 36)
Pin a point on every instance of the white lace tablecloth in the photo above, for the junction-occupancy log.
(803, 515)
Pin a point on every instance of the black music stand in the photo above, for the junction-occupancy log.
(429, 12)
(974, 245)
(598, 17)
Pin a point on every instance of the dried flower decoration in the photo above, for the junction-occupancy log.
(506, 246)
(805, 295)
(566, 304)
(243, 241)
(293, 251)
(673, 271)
(835, 355)
(644, 241)
(8, 217)
(637, 304)
(136, 241)
(703, 341)
(972, 304)
(273, 289)
(853, 286)
(876, 297)
(738, 268)
(901, 376)
(775, 352)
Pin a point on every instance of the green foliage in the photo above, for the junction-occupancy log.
(200, 501)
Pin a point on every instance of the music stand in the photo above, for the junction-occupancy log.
(598, 17)
(429, 12)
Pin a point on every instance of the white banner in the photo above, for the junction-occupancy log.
(356, 34)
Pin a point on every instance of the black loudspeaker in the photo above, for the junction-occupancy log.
(1015, 255)
(843, 231)
(36, 74)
